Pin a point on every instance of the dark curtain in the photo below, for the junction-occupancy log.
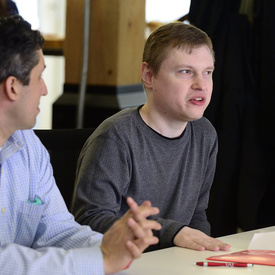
(241, 109)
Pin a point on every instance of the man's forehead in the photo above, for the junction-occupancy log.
(41, 62)
(202, 52)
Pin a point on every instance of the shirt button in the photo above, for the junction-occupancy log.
(3, 210)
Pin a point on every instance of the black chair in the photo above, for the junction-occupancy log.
(64, 146)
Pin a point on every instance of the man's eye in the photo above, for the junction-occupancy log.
(186, 71)
(186, 74)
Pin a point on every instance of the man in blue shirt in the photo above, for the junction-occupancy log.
(37, 233)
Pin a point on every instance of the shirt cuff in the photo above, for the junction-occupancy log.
(88, 260)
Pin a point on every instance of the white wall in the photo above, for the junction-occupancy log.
(49, 17)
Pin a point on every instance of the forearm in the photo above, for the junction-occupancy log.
(167, 233)
(100, 216)
(101, 223)
(100, 182)
(200, 222)
(16, 259)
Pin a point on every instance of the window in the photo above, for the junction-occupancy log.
(166, 11)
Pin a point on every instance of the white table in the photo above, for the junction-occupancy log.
(175, 260)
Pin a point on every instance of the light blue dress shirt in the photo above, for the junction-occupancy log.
(37, 233)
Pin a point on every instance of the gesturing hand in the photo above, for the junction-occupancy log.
(129, 236)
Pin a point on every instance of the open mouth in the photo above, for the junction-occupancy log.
(197, 100)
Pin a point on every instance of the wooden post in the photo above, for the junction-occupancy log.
(114, 74)
(116, 41)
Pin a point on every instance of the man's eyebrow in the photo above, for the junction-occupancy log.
(210, 68)
(192, 67)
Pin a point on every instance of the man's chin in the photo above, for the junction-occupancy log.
(195, 118)
(29, 126)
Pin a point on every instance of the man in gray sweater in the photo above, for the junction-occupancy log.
(163, 151)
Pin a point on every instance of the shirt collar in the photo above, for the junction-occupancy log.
(11, 146)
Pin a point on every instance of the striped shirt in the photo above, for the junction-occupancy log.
(38, 235)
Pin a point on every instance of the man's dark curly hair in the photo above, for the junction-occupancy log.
(18, 48)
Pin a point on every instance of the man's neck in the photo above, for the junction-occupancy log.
(4, 135)
(154, 120)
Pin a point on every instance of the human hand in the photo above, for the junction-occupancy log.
(129, 236)
(197, 240)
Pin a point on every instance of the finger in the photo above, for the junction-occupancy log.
(143, 243)
(209, 243)
(147, 203)
(146, 224)
(134, 249)
(136, 209)
(150, 224)
(224, 246)
(138, 231)
(193, 245)
(215, 244)
(132, 204)
(145, 209)
(142, 229)
(144, 212)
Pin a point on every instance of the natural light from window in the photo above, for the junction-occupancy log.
(166, 11)
(29, 10)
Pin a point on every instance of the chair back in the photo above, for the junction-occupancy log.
(64, 146)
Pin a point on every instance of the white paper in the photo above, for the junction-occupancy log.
(263, 241)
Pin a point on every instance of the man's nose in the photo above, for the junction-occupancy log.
(44, 90)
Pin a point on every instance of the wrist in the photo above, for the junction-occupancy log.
(176, 233)
(106, 261)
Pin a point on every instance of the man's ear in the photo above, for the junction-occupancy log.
(146, 75)
(12, 87)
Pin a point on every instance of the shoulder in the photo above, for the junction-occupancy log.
(204, 126)
(122, 123)
(27, 137)
(121, 119)
(30, 142)
(119, 129)
(204, 132)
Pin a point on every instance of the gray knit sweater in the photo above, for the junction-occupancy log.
(124, 157)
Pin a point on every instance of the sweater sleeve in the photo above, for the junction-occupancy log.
(100, 183)
(199, 220)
